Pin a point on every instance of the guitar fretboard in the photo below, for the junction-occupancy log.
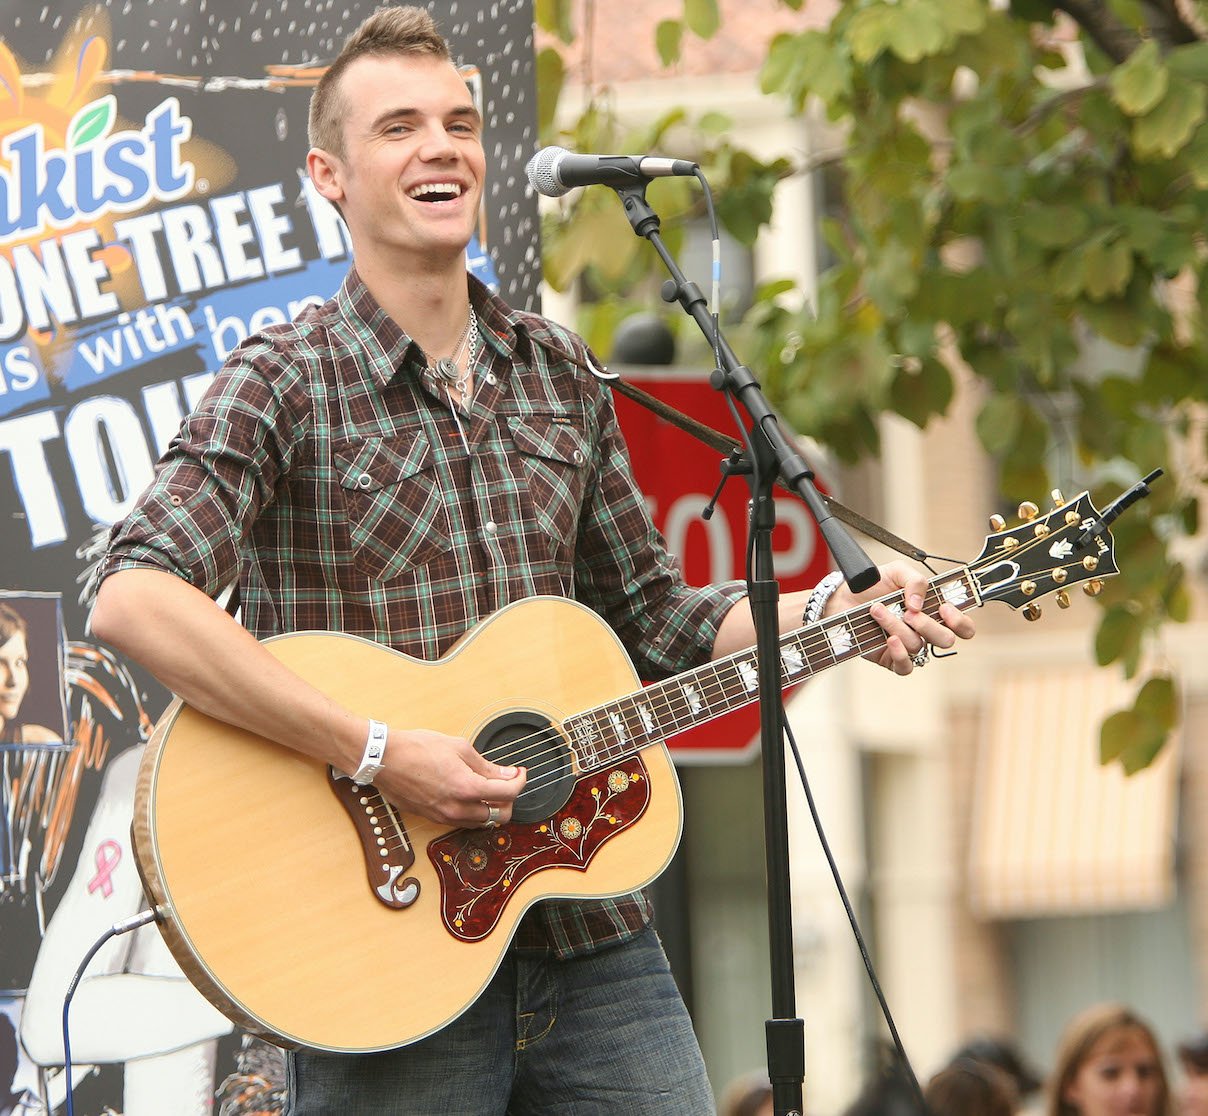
(619, 728)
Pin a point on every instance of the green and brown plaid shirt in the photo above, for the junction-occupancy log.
(327, 471)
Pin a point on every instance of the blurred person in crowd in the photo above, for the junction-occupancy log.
(967, 1087)
(1108, 1063)
(890, 1093)
(1004, 1054)
(1193, 1090)
(748, 1095)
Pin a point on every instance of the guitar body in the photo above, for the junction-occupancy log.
(313, 914)
(261, 873)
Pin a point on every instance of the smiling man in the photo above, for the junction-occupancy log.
(399, 464)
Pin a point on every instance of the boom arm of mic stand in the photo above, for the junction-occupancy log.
(857, 569)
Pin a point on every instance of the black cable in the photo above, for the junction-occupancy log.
(123, 927)
(851, 915)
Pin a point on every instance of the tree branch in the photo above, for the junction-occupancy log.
(1172, 23)
(1114, 38)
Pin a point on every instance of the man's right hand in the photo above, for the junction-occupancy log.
(443, 778)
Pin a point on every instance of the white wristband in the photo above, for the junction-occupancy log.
(823, 591)
(375, 753)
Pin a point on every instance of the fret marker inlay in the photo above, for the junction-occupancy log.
(841, 639)
(955, 593)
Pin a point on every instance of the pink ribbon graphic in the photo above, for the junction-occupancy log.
(108, 856)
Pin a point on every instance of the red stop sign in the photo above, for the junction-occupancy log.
(678, 474)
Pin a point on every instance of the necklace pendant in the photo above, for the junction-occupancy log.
(446, 368)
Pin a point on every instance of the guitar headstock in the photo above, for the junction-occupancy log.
(1045, 554)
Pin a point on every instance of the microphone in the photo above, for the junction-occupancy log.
(554, 171)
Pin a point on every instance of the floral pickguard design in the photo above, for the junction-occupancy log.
(480, 869)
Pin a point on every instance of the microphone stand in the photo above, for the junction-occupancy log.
(785, 1032)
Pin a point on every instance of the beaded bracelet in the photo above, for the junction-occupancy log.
(375, 752)
(823, 591)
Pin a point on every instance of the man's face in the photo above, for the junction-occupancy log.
(410, 179)
(14, 675)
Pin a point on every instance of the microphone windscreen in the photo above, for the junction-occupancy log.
(542, 172)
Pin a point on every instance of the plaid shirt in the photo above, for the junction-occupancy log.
(327, 471)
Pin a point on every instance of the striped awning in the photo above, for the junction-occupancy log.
(1054, 832)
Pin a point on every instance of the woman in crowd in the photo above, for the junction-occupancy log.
(1108, 1064)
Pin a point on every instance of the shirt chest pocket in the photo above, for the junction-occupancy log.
(396, 516)
(552, 452)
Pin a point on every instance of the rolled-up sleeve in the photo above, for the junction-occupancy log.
(218, 473)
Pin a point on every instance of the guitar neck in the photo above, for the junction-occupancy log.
(617, 729)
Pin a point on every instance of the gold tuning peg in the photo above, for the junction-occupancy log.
(1062, 598)
(1032, 612)
(1058, 499)
(997, 523)
(1028, 510)
(1093, 587)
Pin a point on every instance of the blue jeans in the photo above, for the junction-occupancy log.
(593, 1036)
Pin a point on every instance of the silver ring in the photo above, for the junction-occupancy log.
(920, 657)
(492, 821)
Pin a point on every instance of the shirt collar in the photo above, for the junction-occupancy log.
(503, 328)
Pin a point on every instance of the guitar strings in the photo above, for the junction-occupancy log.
(547, 758)
(545, 763)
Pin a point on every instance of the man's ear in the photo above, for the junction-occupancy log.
(324, 170)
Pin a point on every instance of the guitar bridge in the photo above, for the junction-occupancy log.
(388, 853)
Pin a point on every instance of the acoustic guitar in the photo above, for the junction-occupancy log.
(313, 913)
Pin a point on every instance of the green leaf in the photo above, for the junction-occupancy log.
(999, 421)
(1141, 81)
(1108, 268)
(917, 396)
(1117, 734)
(798, 65)
(1189, 61)
(702, 17)
(92, 121)
(916, 38)
(555, 16)
(1054, 226)
(1166, 130)
(1119, 636)
(668, 40)
(1033, 11)
(977, 182)
(551, 73)
(1158, 702)
(717, 123)
(872, 30)
(1144, 750)
(1177, 601)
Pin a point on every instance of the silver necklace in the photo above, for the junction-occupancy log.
(446, 367)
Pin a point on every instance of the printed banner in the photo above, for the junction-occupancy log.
(154, 209)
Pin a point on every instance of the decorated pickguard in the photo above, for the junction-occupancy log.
(481, 869)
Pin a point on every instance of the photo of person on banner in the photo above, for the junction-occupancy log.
(30, 660)
(400, 464)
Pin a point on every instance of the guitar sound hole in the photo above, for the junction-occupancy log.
(528, 740)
